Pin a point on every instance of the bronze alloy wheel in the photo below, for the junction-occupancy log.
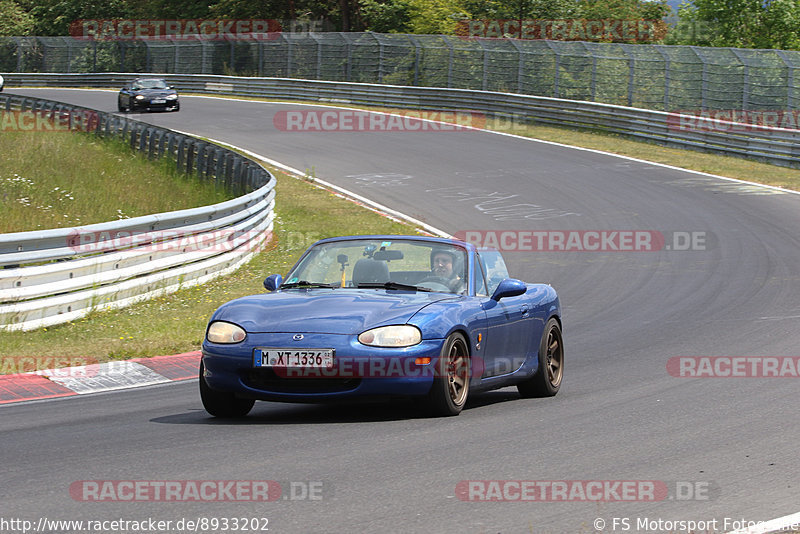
(555, 356)
(547, 379)
(450, 387)
(458, 371)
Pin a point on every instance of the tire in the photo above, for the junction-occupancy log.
(451, 383)
(120, 107)
(547, 380)
(223, 405)
(177, 107)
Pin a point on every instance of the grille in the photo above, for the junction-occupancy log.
(267, 380)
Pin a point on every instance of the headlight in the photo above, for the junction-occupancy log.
(222, 332)
(172, 97)
(391, 336)
(139, 97)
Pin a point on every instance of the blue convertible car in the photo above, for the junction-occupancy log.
(384, 316)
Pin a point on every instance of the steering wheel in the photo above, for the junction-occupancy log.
(436, 281)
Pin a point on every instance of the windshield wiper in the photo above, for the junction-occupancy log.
(307, 284)
(392, 285)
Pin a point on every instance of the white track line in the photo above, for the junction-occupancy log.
(787, 523)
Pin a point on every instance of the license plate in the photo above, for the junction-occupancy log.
(158, 101)
(293, 358)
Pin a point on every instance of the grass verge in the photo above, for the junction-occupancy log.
(63, 179)
(176, 323)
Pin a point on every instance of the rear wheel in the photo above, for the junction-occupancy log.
(547, 380)
(220, 404)
(451, 383)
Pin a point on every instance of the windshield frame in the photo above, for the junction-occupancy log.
(302, 269)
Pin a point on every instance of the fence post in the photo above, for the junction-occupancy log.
(667, 79)
(520, 63)
(417, 57)
(631, 73)
(288, 55)
(319, 54)
(593, 88)
(380, 58)
(485, 81)
(349, 65)
(789, 79)
(205, 60)
(260, 53)
(449, 63)
(556, 75)
(745, 82)
(704, 83)
(69, 55)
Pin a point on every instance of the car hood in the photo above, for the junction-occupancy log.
(325, 311)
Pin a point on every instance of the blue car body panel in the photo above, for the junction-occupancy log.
(509, 329)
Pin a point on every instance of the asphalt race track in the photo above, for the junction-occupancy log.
(722, 447)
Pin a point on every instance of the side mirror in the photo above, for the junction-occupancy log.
(510, 287)
(273, 282)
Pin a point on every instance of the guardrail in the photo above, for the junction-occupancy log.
(54, 276)
(778, 146)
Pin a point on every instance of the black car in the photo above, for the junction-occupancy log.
(149, 94)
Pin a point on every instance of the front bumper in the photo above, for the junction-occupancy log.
(358, 371)
(150, 106)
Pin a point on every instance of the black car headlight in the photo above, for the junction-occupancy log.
(172, 97)
(222, 332)
(139, 97)
(391, 336)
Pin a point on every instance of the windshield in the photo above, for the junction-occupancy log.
(150, 84)
(390, 264)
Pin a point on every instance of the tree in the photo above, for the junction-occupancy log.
(385, 16)
(521, 9)
(743, 23)
(53, 17)
(15, 20)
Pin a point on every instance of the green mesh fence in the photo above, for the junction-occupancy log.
(646, 76)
